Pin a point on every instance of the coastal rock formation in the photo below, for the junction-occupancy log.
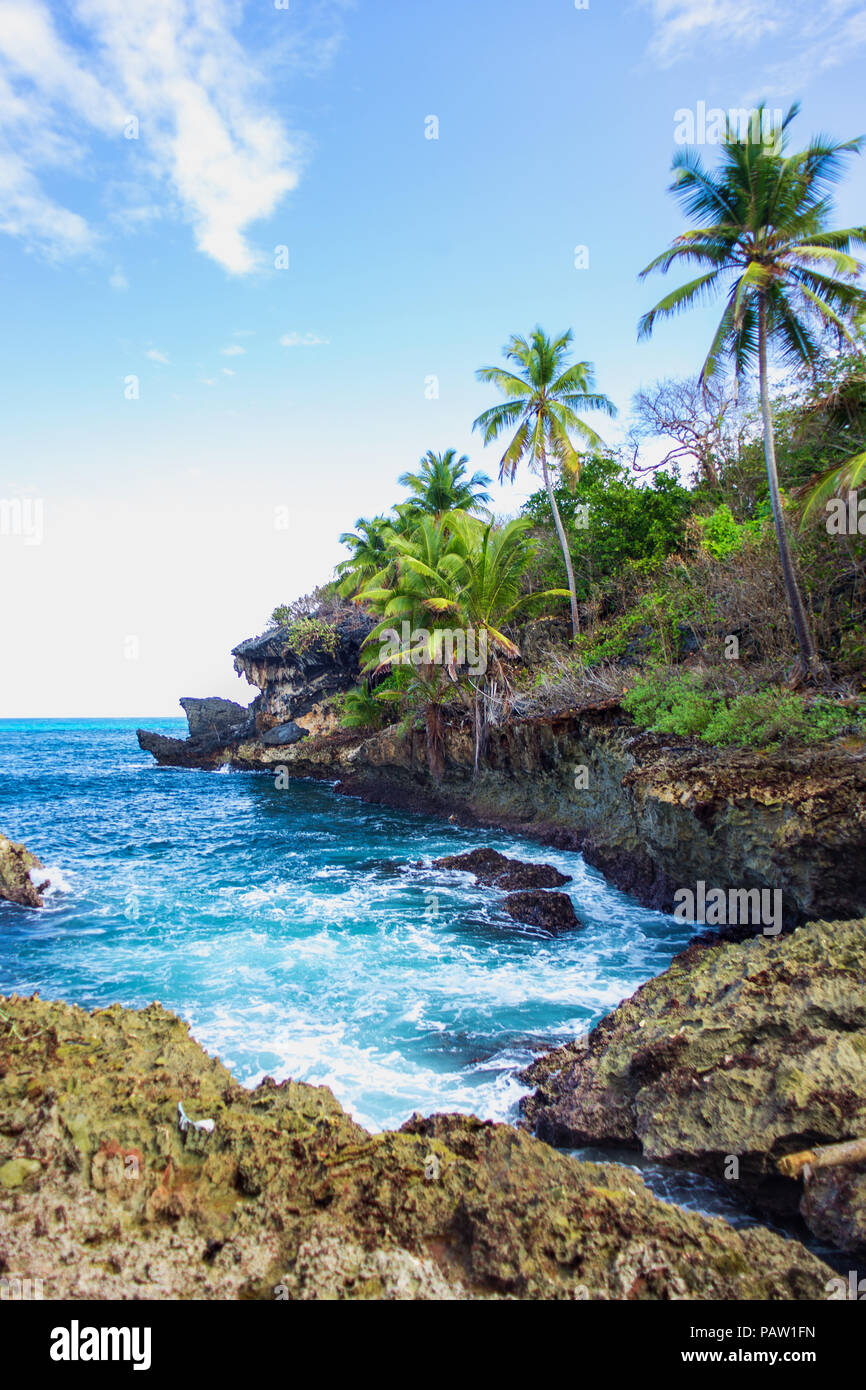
(102, 1195)
(215, 717)
(293, 677)
(495, 870)
(655, 813)
(553, 912)
(21, 879)
(748, 1050)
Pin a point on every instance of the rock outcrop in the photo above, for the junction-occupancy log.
(21, 875)
(551, 912)
(103, 1194)
(739, 1050)
(495, 870)
(216, 718)
(296, 677)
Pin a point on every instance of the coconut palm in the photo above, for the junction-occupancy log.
(441, 485)
(762, 237)
(370, 547)
(461, 579)
(544, 397)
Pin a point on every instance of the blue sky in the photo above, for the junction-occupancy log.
(302, 392)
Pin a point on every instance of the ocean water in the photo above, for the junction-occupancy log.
(300, 933)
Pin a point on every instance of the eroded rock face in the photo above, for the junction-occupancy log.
(834, 1206)
(292, 680)
(21, 878)
(751, 1049)
(282, 734)
(102, 1196)
(654, 813)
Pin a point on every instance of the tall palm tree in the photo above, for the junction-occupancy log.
(762, 236)
(542, 400)
(441, 485)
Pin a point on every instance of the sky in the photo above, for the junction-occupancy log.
(251, 255)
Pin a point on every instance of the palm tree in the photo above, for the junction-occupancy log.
(369, 544)
(441, 485)
(465, 573)
(762, 236)
(542, 401)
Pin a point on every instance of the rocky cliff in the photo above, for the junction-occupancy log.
(655, 814)
(738, 1054)
(132, 1165)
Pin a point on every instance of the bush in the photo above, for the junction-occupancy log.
(679, 703)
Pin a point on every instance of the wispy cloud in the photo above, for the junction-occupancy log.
(302, 340)
(172, 85)
(233, 350)
(117, 279)
(803, 38)
(156, 356)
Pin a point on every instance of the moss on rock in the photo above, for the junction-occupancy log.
(751, 1049)
(288, 1198)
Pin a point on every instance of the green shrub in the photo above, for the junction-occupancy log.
(677, 703)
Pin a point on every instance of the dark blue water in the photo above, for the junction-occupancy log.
(293, 928)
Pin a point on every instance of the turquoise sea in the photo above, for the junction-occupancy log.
(300, 932)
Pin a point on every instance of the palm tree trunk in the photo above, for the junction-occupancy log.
(563, 542)
(795, 601)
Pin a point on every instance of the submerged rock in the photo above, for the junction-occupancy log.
(741, 1051)
(495, 870)
(287, 1197)
(21, 879)
(554, 912)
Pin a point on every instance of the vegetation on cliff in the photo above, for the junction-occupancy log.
(714, 566)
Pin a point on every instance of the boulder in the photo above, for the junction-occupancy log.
(21, 878)
(495, 870)
(284, 733)
(554, 912)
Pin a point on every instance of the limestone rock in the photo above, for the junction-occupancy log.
(750, 1049)
(21, 878)
(289, 1198)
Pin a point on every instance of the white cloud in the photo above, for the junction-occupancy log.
(208, 145)
(302, 340)
(156, 356)
(117, 280)
(803, 38)
(227, 371)
(234, 350)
